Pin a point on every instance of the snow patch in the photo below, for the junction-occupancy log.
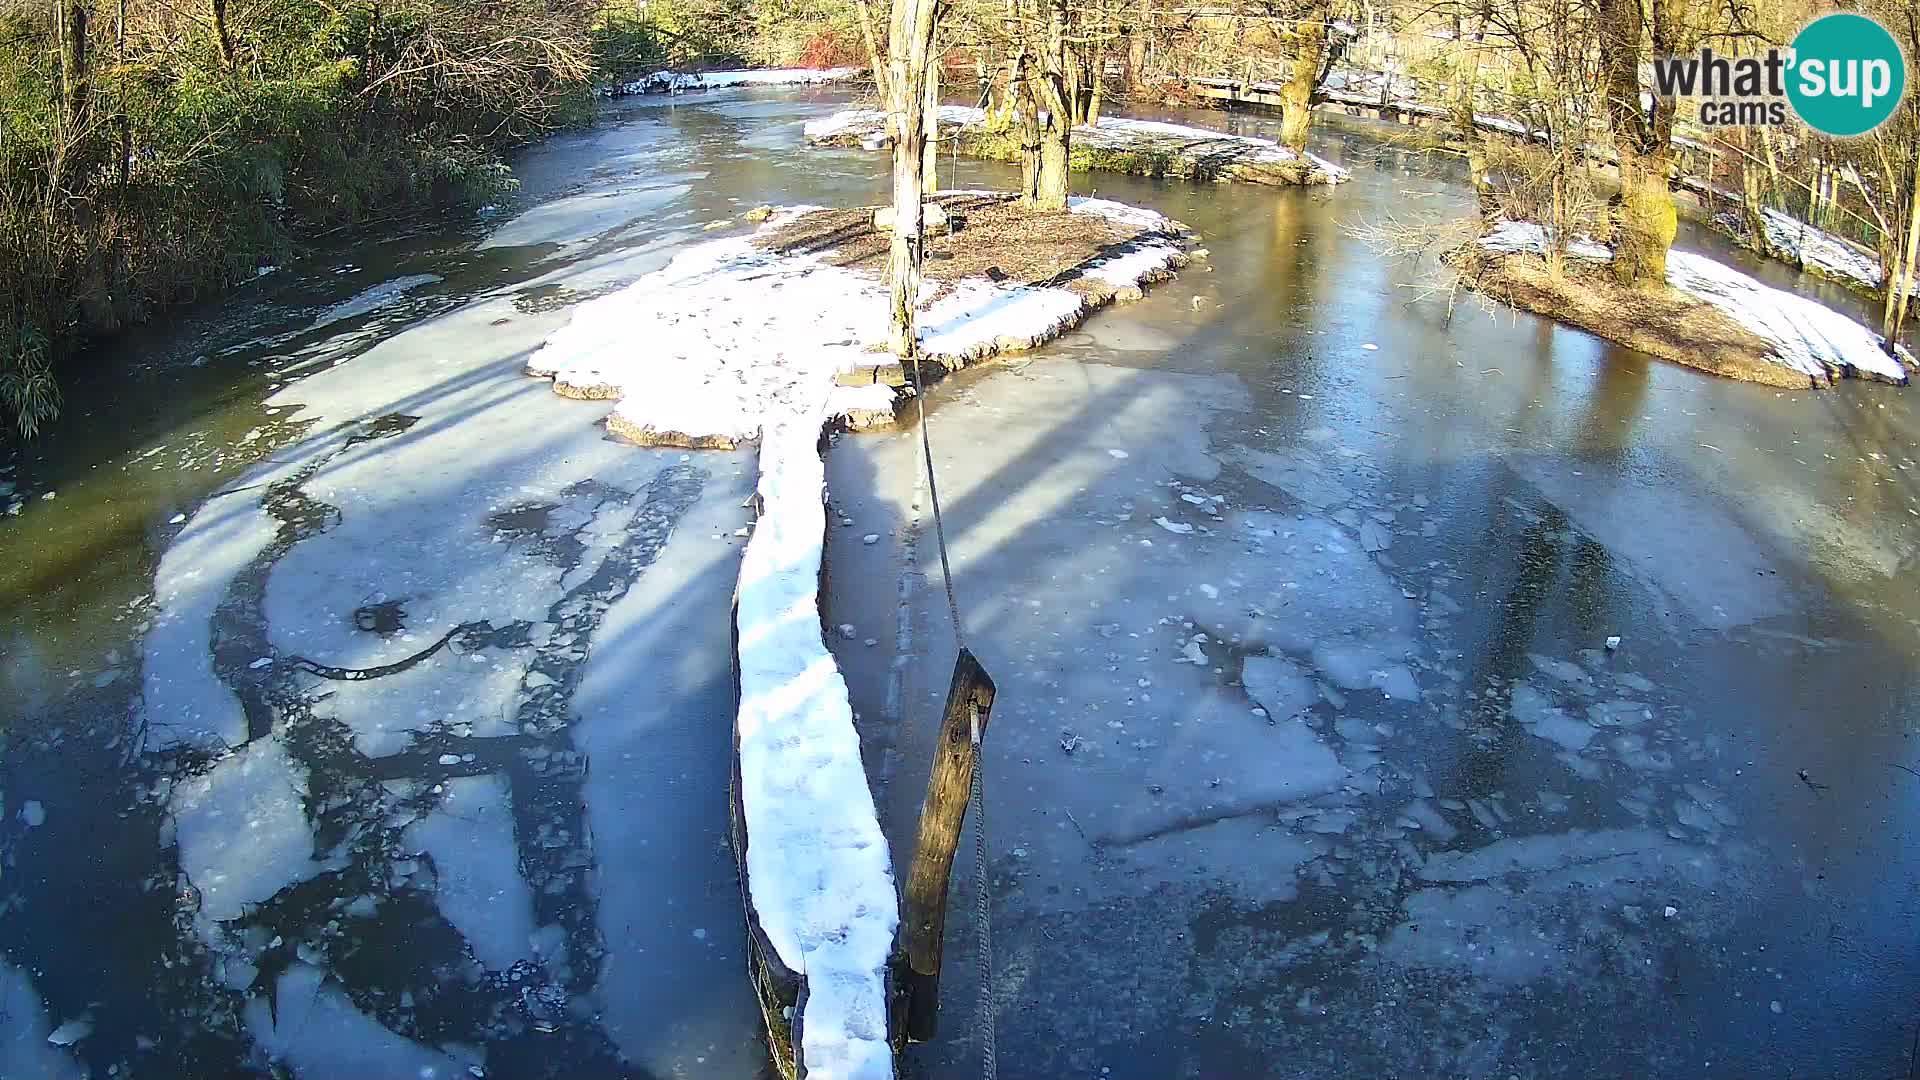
(1813, 248)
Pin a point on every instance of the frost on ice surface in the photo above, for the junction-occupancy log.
(1806, 336)
(186, 702)
(469, 837)
(1354, 665)
(1278, 685)
(323, 1037)
(27, 1049)
(242, 828)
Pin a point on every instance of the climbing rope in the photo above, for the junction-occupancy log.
(982, 904)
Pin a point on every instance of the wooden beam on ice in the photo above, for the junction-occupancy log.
(923, 910)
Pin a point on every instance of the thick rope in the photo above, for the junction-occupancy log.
(983, 916)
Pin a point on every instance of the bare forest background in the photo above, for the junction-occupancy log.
(154, 152)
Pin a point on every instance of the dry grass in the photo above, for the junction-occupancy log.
(1665, 323)
(988, 236)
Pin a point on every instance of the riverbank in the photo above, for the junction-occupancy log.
(1712, 318)
(1114, 144)
(680, 82)
(1414, 112)
(143, 185)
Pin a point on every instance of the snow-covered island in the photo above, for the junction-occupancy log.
(1715, 318)
(675, 82)
(771, 336)
(1115, 144)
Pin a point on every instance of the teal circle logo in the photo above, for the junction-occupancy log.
(1847, 74)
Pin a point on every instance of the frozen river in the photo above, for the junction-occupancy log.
(367, 712)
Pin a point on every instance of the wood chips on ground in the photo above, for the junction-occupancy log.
(987, 236)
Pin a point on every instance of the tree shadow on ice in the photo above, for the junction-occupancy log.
(1026, 529)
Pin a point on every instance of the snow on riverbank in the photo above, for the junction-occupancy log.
(663, 82)
(1807, 337)
(1813, 249)
(1227, 156)
(731, 342)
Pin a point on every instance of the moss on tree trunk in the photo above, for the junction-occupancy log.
(1296, 97)
(1645, 220)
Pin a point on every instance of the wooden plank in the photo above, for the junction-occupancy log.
(949, 788)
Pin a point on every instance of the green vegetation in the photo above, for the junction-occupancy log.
(156, 152)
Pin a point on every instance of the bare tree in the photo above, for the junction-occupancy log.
(1308, 68)
(909, 56)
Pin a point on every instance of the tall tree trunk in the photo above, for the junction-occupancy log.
(222, 36)
(864, 12)
(1047, 185)
(1053, 94)
(1899, 286)
(1096, 83)
(1026, 112)
(1644, 221)
(1137, 48)
(1004, 99)
(1466, 88)
(74, 86)
(1753, 197)
(1296, 97)
(930, 120)
(909, 50)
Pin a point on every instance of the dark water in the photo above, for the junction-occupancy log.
(1753, 548)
